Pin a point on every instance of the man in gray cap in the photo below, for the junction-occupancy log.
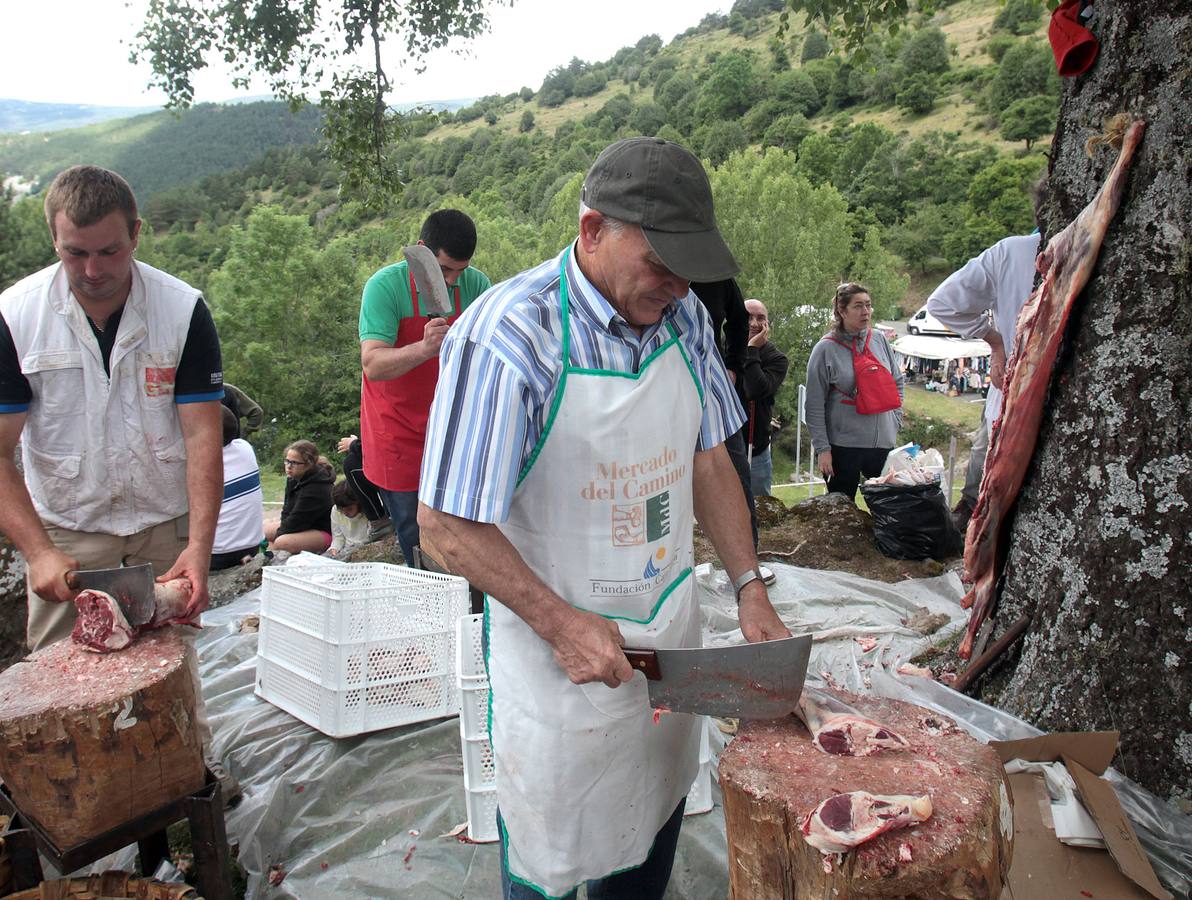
(577, 432)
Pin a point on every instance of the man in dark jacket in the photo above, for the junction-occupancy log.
(765, 370)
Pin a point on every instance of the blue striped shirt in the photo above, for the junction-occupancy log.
(499, 367)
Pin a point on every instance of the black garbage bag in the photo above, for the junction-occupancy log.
(912, 521)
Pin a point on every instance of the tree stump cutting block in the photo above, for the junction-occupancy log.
(90, 741)
(772, 777)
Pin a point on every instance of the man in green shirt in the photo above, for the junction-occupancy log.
(399, 353)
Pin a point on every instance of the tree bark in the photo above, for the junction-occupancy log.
(1099, 553)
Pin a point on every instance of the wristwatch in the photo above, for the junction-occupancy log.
(744, 578)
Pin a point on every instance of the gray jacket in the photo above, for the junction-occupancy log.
(830, 380)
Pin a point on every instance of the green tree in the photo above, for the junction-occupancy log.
(25, 244)
(787, 132)
(796, 92)
(1026, 70)
(920, 238)
(730, 89)
(286, 311)
(1026, 120)
(1018, 17)
(926, 51)
(998, 45)
(815, 46)
(879, 270)
(718, 140)
(918, 94)
(792, 241)
(527, 121)
(299, 47)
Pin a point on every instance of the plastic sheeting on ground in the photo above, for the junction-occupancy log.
(368, 816)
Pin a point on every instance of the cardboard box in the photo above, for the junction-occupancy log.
(1045, 868)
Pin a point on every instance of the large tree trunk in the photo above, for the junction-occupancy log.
(1099, 551)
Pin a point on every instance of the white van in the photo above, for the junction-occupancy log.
(924, 323)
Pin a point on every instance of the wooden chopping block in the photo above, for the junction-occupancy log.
(772, 775)
(90, 741)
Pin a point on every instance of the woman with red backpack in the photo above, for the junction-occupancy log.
(854, 394)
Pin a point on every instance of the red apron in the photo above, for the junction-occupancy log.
(393, 413)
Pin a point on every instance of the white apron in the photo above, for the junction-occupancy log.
(603, 514)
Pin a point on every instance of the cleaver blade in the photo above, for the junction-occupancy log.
(428, 279)
(130, 586)
(746, 681)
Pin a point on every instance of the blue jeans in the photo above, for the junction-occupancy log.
(761, 473)
(403, 510)
(645, 882)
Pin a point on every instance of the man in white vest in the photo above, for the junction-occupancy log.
(110, 380)
(577, 432)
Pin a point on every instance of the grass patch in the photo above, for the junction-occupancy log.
(273, 486)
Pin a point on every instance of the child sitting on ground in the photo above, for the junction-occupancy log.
(349, 527)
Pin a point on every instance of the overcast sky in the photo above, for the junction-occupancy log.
(76, 51)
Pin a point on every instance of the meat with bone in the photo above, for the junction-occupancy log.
(839, 729)
(1066, 264)
(171, 600)
(771, 775)
(101, 625)
(844, 821)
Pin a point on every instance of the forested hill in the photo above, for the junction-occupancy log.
(882, 168)
(162, 149)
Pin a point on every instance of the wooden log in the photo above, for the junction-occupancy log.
(90, 741)
(772, 777)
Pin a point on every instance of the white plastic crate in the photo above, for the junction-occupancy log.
(352, 648)
(479, 769)
(472, 678)
(342, 666)
(357, 710)
(362, 601)
(481, 806)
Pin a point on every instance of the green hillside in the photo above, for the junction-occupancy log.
(162, 149)
(888, 168)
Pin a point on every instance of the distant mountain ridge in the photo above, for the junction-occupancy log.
(25, 115)
(161, 149)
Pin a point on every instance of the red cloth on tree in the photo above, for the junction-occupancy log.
(1074, 46)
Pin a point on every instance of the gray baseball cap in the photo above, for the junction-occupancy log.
(663, 188)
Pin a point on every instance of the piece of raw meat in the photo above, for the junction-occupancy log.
(171, 599)
(1065, 264)
(845, 820)
(839, 729)
(101, 625)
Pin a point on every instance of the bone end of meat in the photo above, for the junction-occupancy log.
(171, 599)
(850, 735)
(844, 821)
(101, 626)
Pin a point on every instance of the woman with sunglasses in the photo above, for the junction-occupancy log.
(306, 512)
(854, 394)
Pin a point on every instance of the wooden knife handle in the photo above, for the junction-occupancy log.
(645, 661)
(72, 580)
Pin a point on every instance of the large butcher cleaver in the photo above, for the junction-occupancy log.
(428, 278)
(131, 586)
(747, 681)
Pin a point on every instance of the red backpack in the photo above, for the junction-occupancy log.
(876, 389)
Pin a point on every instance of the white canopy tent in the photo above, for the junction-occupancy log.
(923, 346)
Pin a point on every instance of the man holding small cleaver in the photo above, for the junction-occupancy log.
(405, 312)
(579, 430)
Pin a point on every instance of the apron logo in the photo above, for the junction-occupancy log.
(651, 570)
(641, 523)
(658, 517)
(628, 524)
(159, 382)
